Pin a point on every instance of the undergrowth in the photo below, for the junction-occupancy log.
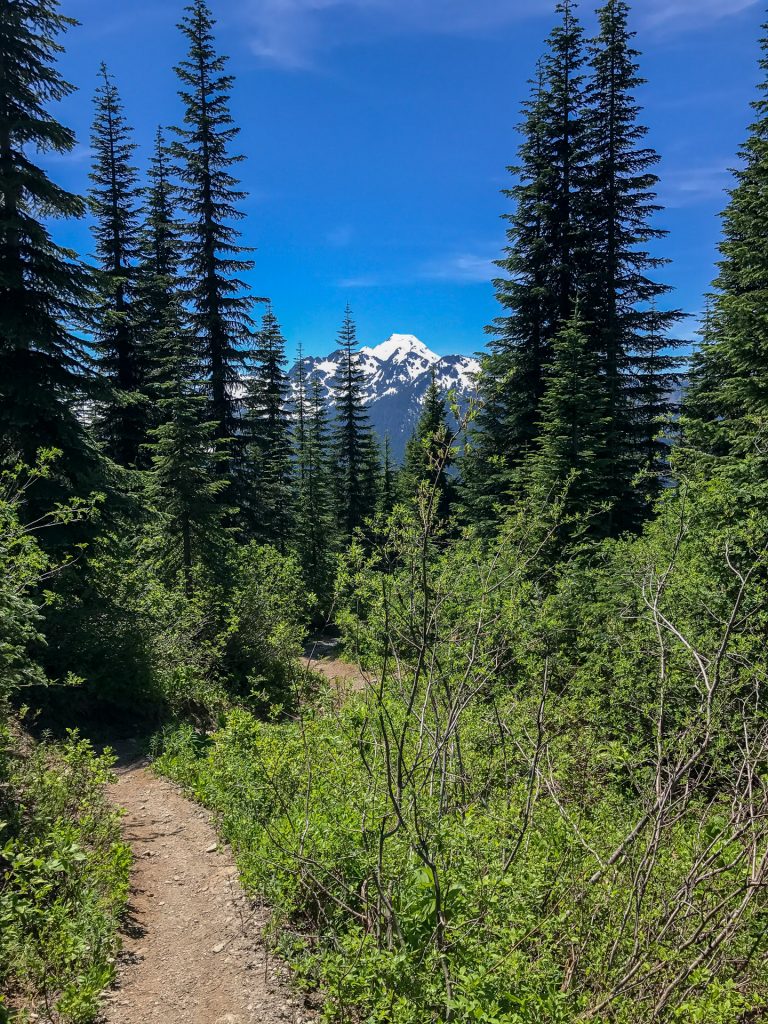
(64, 880)
(550, 804)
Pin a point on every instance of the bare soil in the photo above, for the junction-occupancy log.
(194, 947)
(322, 655)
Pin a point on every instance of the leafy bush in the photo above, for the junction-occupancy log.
(551, 804)
(63, 869)
(64, 878)
(149, 649)
(268, 608)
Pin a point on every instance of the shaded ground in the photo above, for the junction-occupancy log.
(194, 951)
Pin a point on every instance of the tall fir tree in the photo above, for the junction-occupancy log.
(727, 404)
(542, 272)
(123, 410)
(389, 480)
(565, 149)
(315, 533)
(353, 444)
(630, 333)
(42, 286)
(213, 258)
(655, 391)
(571, 465)
(158, 284)
(300, 410)
(185, 485)
(512, 371)
(429, 456)
(270, 499)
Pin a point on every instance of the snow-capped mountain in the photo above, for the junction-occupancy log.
(397, 375)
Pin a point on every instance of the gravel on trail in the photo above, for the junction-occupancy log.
(193, 945)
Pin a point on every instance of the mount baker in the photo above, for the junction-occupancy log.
(397, 375)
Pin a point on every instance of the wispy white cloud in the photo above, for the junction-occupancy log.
(677, 13)
(457, 268)
(363, 281)
(78, 155)
(462, 268)
(291, 33)
(690, 186)
(341, 236)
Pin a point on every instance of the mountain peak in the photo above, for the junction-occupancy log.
(402, 347)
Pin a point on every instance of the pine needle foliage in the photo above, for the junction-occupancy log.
(43, 287)
(727, 407)
(316, 528)
(541, 271)
(570, 468)
(429, 455)
(631, 332)
(352, 438)
(160, 254)
(214, 261)
(271, 498)
(185, 485)
(123, 408)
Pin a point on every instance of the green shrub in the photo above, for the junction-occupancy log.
(63, 868)
(64, 879)
(549, 806)
(268, 608)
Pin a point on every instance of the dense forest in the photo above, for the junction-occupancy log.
(549, 800)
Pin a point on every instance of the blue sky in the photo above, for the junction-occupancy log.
(377, 133)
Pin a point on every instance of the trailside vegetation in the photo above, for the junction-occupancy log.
(543, 797)
(63, 866)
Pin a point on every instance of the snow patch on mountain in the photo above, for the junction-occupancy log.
(403, 350)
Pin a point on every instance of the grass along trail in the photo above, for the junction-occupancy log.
(193, 950)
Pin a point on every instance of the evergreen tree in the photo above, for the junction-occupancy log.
(160, 255)
(542, 271)
(571, 463)
(209, 196)
(655, 419)
(185, 485)
(727, 406)
(42, 287)
(353, 445)
(315, 521)
(123, 412)
(389, 481)
(300, 412)
(429, 456)
(565, 150)
(270, 498)
(629, 331)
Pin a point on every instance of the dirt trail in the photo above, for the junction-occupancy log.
(322, 655)
(193, 949)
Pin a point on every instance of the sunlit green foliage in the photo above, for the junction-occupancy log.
(64, 881)
(546, 804)
(63, 869)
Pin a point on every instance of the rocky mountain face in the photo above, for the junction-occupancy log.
(398, 373)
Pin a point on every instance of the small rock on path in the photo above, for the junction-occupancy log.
(193, 949)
